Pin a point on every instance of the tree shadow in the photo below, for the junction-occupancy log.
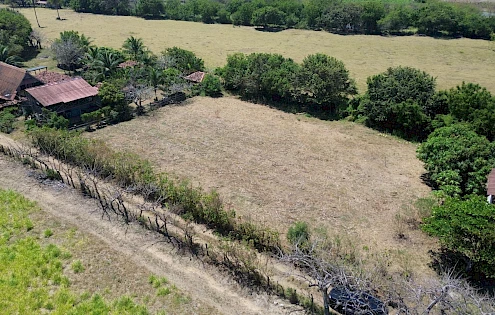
(295, 108)
(29, 53)
(425, 177)
(445, 259)
(270, 29)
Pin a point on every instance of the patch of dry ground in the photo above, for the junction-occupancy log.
(450, 61)
(277, 168)
(120, 258)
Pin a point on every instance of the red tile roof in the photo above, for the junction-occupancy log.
(490, 185)
(62, 92)
(128, 63)
(10, 80)
(197, 76)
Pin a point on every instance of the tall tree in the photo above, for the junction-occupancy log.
(155, 78)
(325, 82)
(36, 14)
(69, 49)
(56, 4)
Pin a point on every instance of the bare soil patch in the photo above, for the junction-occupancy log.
(276, 168)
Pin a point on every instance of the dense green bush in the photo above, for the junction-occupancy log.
(14, 31)
(150, 8)
(472, 104)
(7, 119)
(268, 16)
(320, 84)
(112, 7)
(324, 82)
(457, 159)
(183, 60)
(211, 86)
(466, 227)
(298, 234)
(397, 101)
(112, 96)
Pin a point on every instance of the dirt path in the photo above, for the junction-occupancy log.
(204, 284)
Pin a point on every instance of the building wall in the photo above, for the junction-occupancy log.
(72, 111)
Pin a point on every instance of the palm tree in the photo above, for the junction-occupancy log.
(91, 56)
(56, 4)
(155, 78)
(107, 63)
(36, 15)
(134, 47)
(7, 58)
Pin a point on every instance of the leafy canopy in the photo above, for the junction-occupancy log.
(466, 227)
(458, 159)
(397, 101)
(324, 81)
(475, 105)
(184, 60)
(14, 31)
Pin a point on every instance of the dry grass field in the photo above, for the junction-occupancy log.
(277, 168)
(451, 61)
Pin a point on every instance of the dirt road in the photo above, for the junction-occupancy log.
(204, 284)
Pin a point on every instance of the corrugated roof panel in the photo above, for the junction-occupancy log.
(10, 79)
(196, 76)
(490, 185)
(62, 92)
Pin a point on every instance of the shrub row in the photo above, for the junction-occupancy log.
(130, 171)
(369, 17)
(320, 84)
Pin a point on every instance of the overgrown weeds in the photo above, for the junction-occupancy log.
(136, 174)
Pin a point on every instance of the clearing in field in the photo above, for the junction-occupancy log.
(277, 168)
(451, 61)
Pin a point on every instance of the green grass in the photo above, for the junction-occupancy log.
(31, 274)
(77, 266)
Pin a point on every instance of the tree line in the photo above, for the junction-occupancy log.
(429, 17)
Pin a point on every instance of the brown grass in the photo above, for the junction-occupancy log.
(277, 168)
(451, 61)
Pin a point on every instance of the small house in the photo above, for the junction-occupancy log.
(195, 77)
(69, 98)
(490, 186)
(13, 81)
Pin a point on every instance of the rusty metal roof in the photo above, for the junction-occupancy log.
(197, 76)
(48, 77)
(490, 185)
(62, 92)
(10, 80)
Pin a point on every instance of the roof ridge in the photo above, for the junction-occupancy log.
(12, 67)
